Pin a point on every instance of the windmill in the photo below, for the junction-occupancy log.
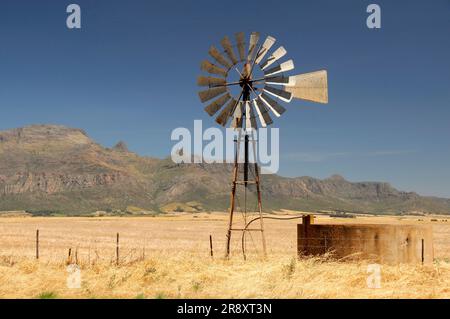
(262, 82)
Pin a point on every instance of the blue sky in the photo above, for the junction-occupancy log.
(129, 74)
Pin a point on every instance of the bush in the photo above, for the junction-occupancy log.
(47, 295)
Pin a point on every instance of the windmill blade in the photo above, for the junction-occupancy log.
(268, 43)
(212, 68)
(216, 105)
(246, 70)
(236, 122)
(210, 81)
(225, 114)
(219, 57)
(281, 80)
(226, 44)
(262, 111)
(209, 94)
(240, 41)
(250, 118)
(312, 86)
(254, 38)
(283, 67)
(276, 55)
(281, 94)
(273, 105)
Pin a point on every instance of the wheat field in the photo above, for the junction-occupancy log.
(169, 257)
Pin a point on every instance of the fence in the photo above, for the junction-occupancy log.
(118, 249)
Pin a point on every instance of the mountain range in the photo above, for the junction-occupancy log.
(49, 169)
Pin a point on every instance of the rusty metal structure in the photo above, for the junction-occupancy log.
(262, 82)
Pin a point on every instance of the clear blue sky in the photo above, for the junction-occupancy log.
(129, 74)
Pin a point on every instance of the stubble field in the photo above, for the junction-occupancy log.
(169, 257)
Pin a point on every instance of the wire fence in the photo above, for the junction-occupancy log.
(125, 248)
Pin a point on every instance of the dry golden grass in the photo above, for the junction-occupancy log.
(168, 257)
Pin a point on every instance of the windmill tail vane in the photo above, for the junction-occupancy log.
(263, 84)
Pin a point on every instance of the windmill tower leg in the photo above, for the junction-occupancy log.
(233, 195)
(258, 190)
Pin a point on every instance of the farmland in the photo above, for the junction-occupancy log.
(168, 256)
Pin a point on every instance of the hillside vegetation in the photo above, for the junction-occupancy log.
(54, 169)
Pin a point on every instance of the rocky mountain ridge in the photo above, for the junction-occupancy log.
(52, 168)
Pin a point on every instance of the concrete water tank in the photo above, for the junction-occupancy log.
(375, 242)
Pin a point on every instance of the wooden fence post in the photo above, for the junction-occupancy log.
(117, 249)
(211, 246)
(423, 250)
(37, 244)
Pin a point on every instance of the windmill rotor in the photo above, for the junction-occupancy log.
(264, 81)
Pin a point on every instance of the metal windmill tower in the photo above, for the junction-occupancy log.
(261, 80)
